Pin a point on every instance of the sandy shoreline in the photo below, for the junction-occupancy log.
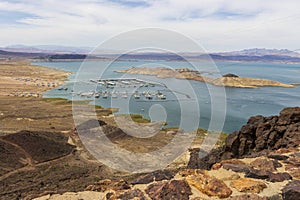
(26, 80)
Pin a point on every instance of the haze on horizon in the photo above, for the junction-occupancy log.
(217, 25)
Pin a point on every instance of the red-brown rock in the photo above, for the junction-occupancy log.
(291, 191)
(279, 177)
(175, 189)
(248, 197)
(264, 164)
(108, 184)
(132, 194)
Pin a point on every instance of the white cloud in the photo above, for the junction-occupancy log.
(216, 24)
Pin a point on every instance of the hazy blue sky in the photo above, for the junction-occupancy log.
(218, 25)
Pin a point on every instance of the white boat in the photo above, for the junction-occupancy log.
(105, 96)
(114, 95)
(97, 95)
(87, 94)
(124, 95)
(136, 96)
(162, 96)
(149, 96)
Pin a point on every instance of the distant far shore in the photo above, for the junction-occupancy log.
(171, 60)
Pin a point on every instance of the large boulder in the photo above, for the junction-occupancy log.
(175, 189)
(260, 136)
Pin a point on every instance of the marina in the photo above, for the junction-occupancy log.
(122, 88)
(105, 94)
(125, 82)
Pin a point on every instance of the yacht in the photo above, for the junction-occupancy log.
(97, 95)
(162, 96)
(114, 94)
(149, 96)
(124, 95)
(136, 96)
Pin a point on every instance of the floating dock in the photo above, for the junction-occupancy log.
(122, 82)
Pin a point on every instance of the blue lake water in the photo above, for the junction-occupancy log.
(240, 103)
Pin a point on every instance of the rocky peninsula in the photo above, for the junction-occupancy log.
(184, 73)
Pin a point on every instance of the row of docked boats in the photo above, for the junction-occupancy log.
(116, 94)
(122, 83)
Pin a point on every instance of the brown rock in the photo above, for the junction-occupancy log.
(248, 197)
(231, 161)
(135, 194)
(187, 172)
(294, 171)
(237, 167)
(293, 161)
(296, 155)
(154, 176)
(257, 174)
(207, 159)
(291, 191)
(289, 115)
(264, 164)
(107, 184)
(209, 186)
(279, 177)
(216, 166)
(248, 185)
(260, 136)
(111, 195)
(265, 134)
(217, 188)
(199, 198)
(155, 190)
(175, 189)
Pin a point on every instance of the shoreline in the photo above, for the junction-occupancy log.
(27, 80)
(134, 60)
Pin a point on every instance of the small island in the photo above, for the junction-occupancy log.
(228, 80)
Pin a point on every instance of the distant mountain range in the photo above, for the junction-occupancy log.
(263, 52)
(51, 49)
(53, 52)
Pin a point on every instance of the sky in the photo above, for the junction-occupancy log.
(217, 25)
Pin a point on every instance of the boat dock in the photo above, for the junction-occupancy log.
(126, 82)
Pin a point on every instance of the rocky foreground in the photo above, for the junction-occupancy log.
(261, 161)
(226, 80)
